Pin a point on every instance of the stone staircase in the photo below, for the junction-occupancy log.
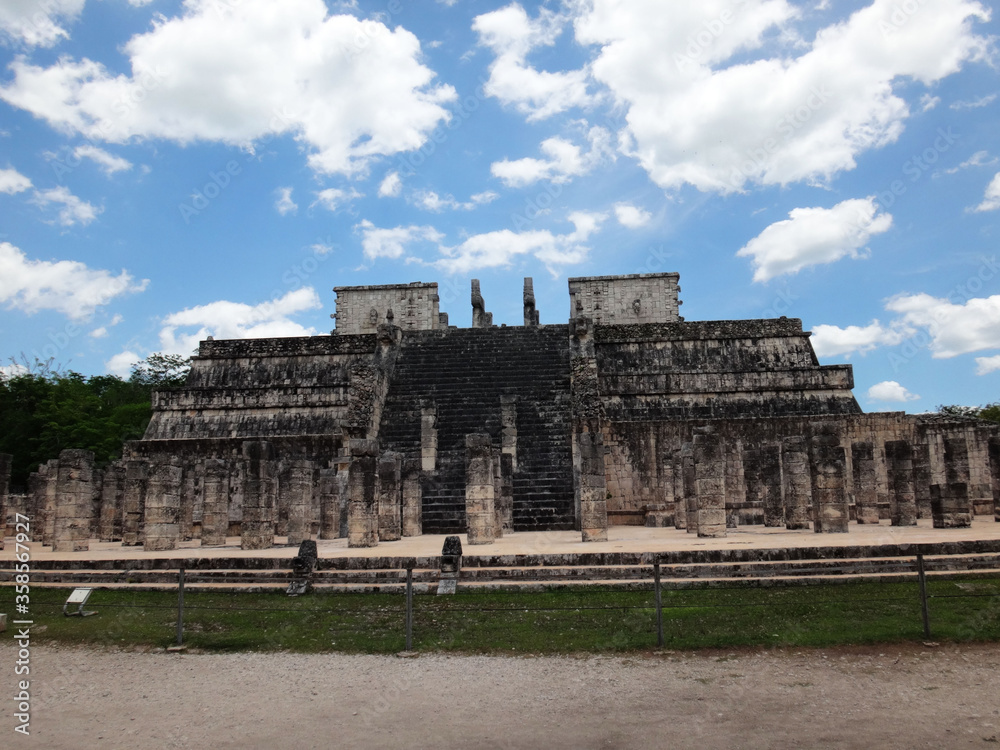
(463, 374)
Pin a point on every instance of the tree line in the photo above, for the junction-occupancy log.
(44, 410)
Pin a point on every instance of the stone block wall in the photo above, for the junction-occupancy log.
(619, 300)
(361, 309)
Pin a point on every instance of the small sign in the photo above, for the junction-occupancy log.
(78, 597)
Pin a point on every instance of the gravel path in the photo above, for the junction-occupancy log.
(883, 697)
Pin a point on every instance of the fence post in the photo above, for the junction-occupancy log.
(409, 609)
(659, 604)
(180, 607)
(921, 576)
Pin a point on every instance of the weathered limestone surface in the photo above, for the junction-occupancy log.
(163, 504)
(480, 318)
(331, 486)
(680, 503)
(47, 502)
(828, 469)
(922, 479)
(390, 496)
(296, 487)
(134, 502)
(5, 466)
(112, 502)
(710, 483)
(412, 499)
(260, 495)
(796, 482)
(361, 309)
(74, 507)
(362, 494)
(215, 516)
(479, 490)
(994, 454)
(902, 498)
(530, 313)
(950, 506)
(865, 496)
(638, 298)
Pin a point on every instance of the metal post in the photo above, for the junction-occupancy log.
(659, 604)
(923, 595)
(409, 609)
(180, 607)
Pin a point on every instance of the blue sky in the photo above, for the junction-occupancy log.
(173, 170)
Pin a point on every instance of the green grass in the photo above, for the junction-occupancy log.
(555, 621)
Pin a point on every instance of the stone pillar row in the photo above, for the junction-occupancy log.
(5, 466)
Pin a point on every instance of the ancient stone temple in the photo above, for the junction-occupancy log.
(398, 423)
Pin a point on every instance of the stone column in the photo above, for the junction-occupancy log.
(752, 482)
(259, 495)
(829, 466)
(530, 313)
(922, 479)
(710, 482)
(899, 471)
(865, 491)
(956, 460)
(796, 482)
(508, 427)
(328, 489)
(297, 489)
(187, 498)
(134, 501)
(413, 510)
(163, 503)
(428, 438)
(479, 489)
(480, 318)
(690, 488)
(950, 506)
(362, 494)
(215, 515)
(497, 520)
(74, 510)
(112, 502)
(506, 500)
(994, 455)
(5, 466)
(680, 506)
(390, 497)
(49, 500)
(770, 485)
(592, 483)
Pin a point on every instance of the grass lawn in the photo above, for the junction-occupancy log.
(571, 620)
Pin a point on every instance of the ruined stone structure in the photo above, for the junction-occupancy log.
(399, 424)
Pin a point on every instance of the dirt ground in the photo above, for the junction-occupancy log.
(883, 697)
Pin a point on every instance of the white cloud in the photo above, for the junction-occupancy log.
(121, 363)
(183, 330)
(991, 200)
(390, 186)
(65, 286)
(631, 216)
(487, 196)
(978, 159)
(512, 36)
(500, 248)
(350, 90)
(99, 333)
(974, 103)
(284, 204)
(830, 341)
(36, 24)
(13, 370)
(74, 210)
(431, 201)
(811, 236)
(392, 243)
(890, 390)
(109, 163)
(755, 103)
(954, 329)
(928, 102)
(986, 365)
(564, 160)
(333, 198)
(12, 181)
